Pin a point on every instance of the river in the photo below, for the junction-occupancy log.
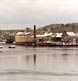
(38, 64)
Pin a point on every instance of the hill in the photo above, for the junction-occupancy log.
(59, 28)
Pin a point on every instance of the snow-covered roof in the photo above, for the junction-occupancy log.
(71, 33)
(50, 34)
(39, 35)
(56, 34)
(27, 33)
(23, 33)
(19, 33)
(59, 34)
(44, 35)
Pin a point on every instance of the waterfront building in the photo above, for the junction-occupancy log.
(69, 37)
(53, 38)
(57, 37)
(44, 37)
(23, 37)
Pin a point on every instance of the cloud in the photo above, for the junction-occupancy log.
(39, 12)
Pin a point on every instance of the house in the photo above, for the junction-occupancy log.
(56, 37)
(69, 37)
(44, 37)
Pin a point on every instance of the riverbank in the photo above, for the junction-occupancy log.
(47, 44)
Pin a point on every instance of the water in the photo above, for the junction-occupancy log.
(38, 64)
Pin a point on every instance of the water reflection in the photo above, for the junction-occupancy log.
(50, 63)
(34, 60)
(53, 60)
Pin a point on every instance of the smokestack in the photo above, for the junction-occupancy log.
(34, 35)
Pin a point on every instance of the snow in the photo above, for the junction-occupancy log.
(71, 34)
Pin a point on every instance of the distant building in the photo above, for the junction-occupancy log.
(71, 34)
(44, 37)
(57, 36)
(69, 37)
(64, 37)
(23, 37)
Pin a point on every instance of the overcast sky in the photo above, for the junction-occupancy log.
(25, 13)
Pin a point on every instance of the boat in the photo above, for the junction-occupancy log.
(12, 46)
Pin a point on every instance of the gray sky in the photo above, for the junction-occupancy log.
(25, 13)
